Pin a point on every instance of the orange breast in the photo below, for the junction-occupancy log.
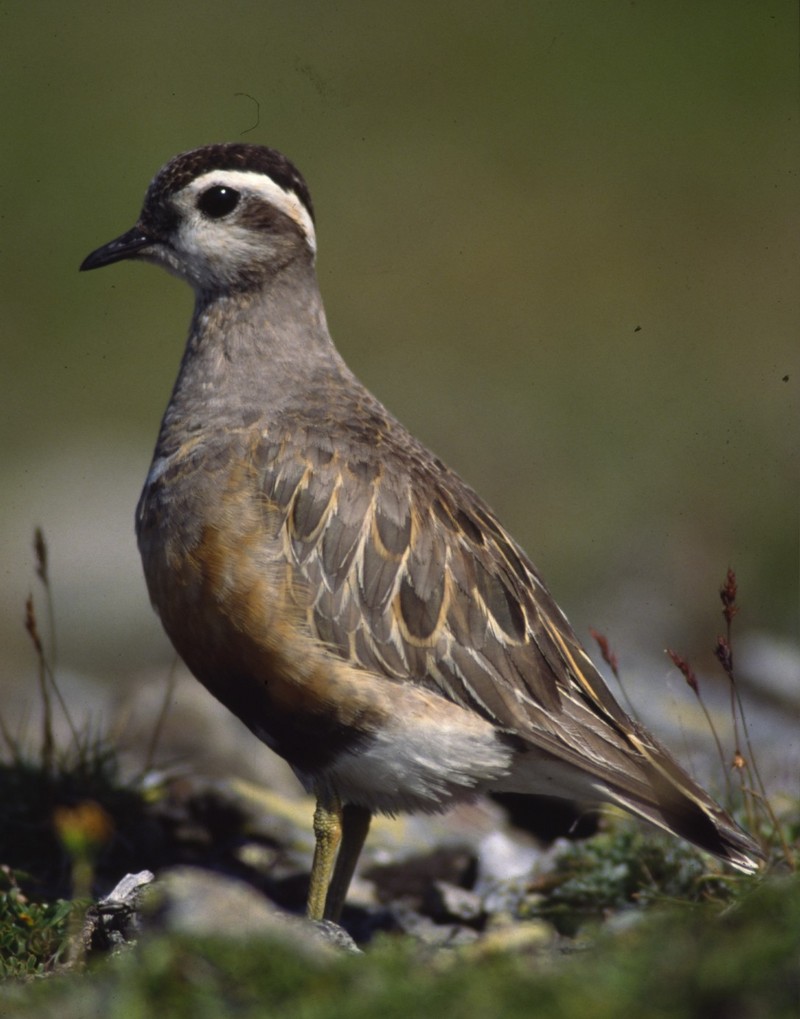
(235, 608)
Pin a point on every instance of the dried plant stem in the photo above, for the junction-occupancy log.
(47, 678)
(48, 742)
(42, 572)
(752, 796)
(611, 660)
(688, 674)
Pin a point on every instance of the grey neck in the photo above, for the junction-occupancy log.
(254, 354)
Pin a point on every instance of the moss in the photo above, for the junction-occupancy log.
(739, 964)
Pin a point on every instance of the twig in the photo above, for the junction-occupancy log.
(682, 665)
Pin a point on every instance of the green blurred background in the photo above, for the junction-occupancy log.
(558, 240)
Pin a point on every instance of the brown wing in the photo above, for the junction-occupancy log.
(404, 571)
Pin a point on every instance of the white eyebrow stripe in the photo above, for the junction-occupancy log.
(260, 184)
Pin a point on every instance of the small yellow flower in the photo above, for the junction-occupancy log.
(83, 829)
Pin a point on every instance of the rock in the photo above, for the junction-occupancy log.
(190, 900)
(446, 902)
(114, 921)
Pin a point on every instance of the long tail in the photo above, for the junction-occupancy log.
(626, 765)
(680, 806)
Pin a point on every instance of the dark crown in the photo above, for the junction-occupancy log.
(227, 156)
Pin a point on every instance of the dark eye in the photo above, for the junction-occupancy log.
(218, 201)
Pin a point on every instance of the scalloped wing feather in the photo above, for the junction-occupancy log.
(411, 576)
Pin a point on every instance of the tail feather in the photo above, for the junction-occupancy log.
(707, 827)
(681, 807)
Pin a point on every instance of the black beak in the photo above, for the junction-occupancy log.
(125, 246)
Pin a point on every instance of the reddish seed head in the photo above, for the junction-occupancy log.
(609, 657)
(727, 595)
(686, 670)
(723, 653)
(30, 624)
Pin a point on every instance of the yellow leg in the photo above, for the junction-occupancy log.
(327, 836)
(354, 828)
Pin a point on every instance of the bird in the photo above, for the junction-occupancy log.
(328, 579)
